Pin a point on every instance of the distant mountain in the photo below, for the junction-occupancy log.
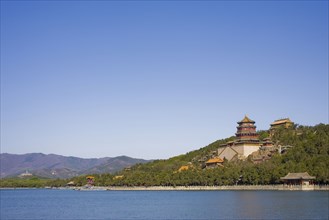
(115, 164)
(57, 166)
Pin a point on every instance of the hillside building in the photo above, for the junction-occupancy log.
(214, 162)
(280, 123)
(246, 141)
(285, 122)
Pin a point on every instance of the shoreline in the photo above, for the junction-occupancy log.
(279, 187)
(224, 188)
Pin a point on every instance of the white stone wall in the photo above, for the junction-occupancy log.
(239, 149)
(226, 152)
(243, 151)
(249, 149)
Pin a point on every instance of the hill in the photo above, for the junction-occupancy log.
(57, 166)
(308, 152)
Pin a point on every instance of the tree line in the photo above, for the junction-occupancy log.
(309, 153)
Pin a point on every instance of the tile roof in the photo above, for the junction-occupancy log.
(215, 160)
(281, 121)
(246, 120)
(295, 176)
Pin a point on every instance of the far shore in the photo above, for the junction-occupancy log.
(194, 188)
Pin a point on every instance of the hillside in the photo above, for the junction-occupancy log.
(309, 152)
(57, 166)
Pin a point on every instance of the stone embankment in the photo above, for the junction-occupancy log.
(235, 187)
(193, 188)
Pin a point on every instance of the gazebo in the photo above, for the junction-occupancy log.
(298, 178)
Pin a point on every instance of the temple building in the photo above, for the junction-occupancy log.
(214, 162)
(246, 141)
(285, 122)
(280, 123)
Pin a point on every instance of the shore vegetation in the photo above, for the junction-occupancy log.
(309, 152)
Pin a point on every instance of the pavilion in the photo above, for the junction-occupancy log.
(303, 179)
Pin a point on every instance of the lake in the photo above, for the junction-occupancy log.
(189, 205)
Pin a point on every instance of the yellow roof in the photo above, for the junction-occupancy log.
(118, 177)
(215, 160)
(182, 168)
(90, 177)
(246, 120)
(281, 121)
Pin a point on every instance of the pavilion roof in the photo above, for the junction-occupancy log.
(215, 160)
(297, 176)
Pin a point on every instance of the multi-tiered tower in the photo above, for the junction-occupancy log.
(246, 137)
(245, 143)
(246, 131)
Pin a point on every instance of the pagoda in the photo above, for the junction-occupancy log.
(246, 131)
(246, 141)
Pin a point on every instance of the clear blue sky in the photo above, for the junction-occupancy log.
(156, 79)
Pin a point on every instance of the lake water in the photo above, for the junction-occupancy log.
(189, 205)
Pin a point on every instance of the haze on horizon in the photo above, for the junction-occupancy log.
(156, 79)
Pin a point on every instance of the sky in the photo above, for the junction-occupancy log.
(157, 79)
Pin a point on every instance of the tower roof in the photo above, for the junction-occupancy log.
(246, 120)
